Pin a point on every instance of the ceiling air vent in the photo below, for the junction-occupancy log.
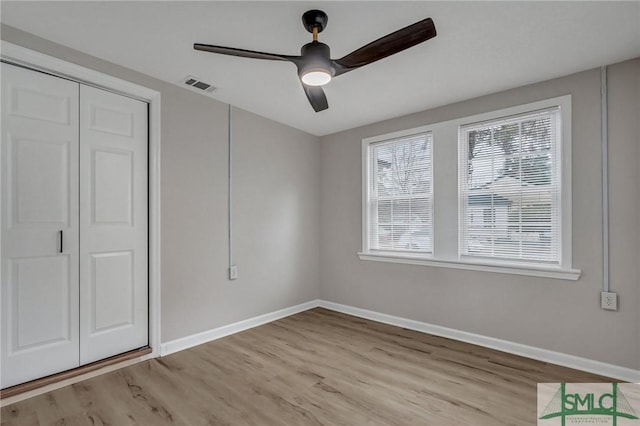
(196, 83)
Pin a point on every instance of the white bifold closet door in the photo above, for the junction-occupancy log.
(113, 224)
(40, 333)
(74, 225)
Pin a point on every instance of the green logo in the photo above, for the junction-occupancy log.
(566, 404)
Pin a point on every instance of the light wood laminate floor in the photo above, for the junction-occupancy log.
(318, 367)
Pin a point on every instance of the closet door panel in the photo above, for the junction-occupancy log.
(39, 226)
(113, 224)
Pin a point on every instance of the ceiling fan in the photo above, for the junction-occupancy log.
(315, 66)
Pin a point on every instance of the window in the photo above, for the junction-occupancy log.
(489, 192)
(399, 194)
(510, 171)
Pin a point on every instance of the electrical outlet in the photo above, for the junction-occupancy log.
(233, 272)
(609, 301)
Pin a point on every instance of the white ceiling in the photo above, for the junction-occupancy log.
(481, 47)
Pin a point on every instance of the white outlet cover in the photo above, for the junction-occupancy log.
(233, 272)
(609, 301)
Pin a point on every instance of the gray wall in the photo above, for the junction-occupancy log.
(552, 314)
(624, 187)
(276, 222)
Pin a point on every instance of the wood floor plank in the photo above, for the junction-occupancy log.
(318, 367)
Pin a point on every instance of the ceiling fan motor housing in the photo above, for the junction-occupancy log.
(317, 56)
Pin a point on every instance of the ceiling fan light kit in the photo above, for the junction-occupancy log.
(315, 66)
(316, 77)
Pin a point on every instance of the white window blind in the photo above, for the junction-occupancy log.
(400, 194)
(510, 188)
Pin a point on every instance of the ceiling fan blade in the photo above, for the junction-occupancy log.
(388, 45)
(242, 52)
(316, 96)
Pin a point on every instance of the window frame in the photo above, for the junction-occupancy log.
(445, 155)
(367, 145)
(556, 150)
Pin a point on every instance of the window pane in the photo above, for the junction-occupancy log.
(510, 189)
(401, 189)
(421, 211)
(384, 211)
(536, 135)
(400, 233)
(384, 237)
(401, 211)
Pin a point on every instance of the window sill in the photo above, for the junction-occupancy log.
(514, 269)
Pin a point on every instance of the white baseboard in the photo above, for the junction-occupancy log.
(226, 330)
(566, 360)
(571, 361)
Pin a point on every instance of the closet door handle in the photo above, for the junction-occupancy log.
(61, 239)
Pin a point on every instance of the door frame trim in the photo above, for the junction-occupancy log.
(28, 58)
